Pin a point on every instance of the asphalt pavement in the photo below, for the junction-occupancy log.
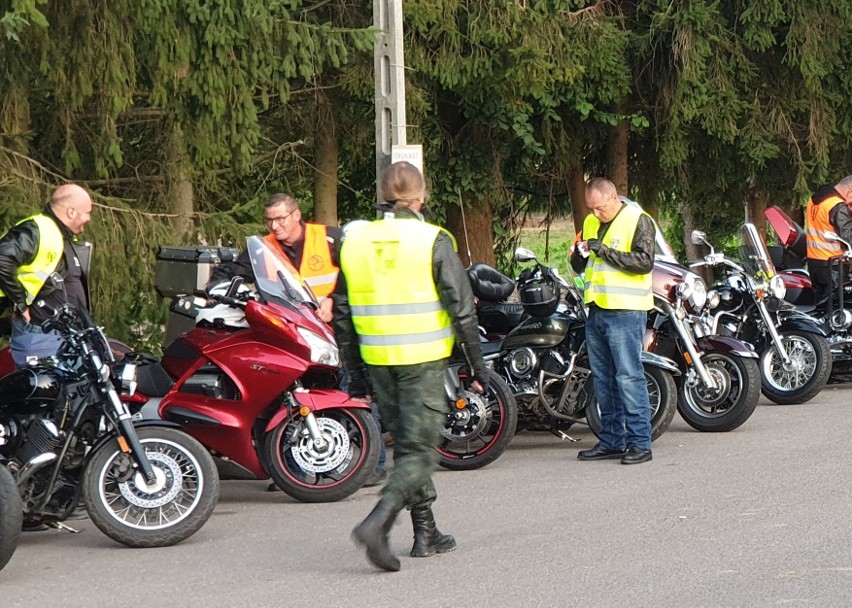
(756, 517)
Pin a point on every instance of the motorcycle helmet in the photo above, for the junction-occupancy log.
(540, 297)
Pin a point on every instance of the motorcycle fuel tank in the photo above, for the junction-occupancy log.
(30, 390)
(538, 333)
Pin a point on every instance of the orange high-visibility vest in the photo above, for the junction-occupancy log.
(316, 268)
(817, 223)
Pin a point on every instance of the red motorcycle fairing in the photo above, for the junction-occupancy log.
(260, 373)
(317, 400)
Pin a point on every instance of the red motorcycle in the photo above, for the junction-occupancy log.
(256, 382)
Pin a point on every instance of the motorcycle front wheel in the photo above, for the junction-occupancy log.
(662, 394)
(11, 516)
(477, 434)
(329, 472)
(731, 403)
(125, 507)
(806, 373)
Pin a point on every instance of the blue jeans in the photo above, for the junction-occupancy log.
(614, 340)
(29, 342)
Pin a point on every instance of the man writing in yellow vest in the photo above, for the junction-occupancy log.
(616, 257)
(30, 252)
(827, 211)
(407, 293)
(311, 248)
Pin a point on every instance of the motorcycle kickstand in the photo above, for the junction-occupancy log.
(62, 527)
(563, 435)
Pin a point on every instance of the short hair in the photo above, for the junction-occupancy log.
(281, 198)
(402, 183)
(845, 183)
(602, 186)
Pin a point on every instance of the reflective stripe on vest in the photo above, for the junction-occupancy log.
(316, 268)
(395, 306)
(51, 246)
(610, 287)
(817, 223)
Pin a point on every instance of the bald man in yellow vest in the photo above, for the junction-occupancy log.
(30, 252)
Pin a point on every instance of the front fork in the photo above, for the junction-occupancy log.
(692, 356)
(310, 421)
(128, 440)
(769, 322)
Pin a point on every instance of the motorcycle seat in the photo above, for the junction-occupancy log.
(489, 284)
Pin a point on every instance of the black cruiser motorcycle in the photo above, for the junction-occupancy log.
(747, 303)
(545, 361)
(66, 435)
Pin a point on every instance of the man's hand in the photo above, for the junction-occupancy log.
(479, 382)
(23, 314)
(594, 245)
(324, 310)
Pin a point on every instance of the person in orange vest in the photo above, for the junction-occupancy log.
(827, 211)
(311, 248)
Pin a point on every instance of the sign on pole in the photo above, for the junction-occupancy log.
(412, 153)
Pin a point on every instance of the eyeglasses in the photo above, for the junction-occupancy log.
(271, 221)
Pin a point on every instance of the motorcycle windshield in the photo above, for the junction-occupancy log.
(753, 254)
(275, 277)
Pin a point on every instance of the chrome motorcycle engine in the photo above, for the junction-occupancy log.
(840, 320)
(521, 363)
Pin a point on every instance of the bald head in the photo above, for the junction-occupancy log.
(72, 206)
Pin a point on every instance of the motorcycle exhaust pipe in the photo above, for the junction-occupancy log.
(33, 465)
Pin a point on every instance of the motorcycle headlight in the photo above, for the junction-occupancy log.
(693, 291)
(777, 287)
(322, 351)
(713, 298)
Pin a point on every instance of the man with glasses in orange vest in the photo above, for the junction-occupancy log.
(311, 248)
(827, 211)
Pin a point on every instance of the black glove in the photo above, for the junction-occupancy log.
(594, 245)
(483, 378)
(359, 385)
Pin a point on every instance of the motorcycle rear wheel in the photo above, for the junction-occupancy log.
(719, 413)
(811, 369)
(312, 475)
(127, 509)
(662, 393)
(484, 429)
(11, 516)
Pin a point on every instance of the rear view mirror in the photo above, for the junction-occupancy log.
(522, 254)
(699, 238)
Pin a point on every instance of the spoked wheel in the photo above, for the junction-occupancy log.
(125, 507)
(805, 373)
(332, 470)
(11, 516)
(478, 433)
(662, 394)
(731, 403)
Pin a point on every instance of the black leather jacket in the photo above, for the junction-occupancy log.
(453, 289)
(19, 246)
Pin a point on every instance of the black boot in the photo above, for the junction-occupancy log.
(427, 539)
(373, 534)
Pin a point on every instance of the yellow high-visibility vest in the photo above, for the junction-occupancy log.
(396, 310)
(51, 246)
(610, 287)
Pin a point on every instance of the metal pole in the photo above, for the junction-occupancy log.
(389, 66)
